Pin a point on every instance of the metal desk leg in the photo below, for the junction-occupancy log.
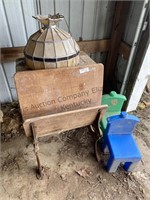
(98, 135)
(40, 172)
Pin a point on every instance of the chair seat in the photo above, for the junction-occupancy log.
(123, 147)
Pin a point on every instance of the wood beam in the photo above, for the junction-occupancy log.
(10, 54)
(121, 11)
(89, 46)
(124, 50)
(93, 46)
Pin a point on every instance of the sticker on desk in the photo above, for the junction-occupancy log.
(84, 70)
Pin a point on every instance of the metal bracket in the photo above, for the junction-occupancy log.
(40, 168)
(96, 129)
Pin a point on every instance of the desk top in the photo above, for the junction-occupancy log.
(50, 91)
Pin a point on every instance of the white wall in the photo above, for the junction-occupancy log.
(141, 82)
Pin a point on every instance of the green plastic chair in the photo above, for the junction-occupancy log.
(115, 102)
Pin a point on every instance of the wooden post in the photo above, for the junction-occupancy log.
(121, 11)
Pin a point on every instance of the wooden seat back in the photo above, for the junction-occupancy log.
(60, 122)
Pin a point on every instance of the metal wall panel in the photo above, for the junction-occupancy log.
(104, 18)
(13, 12)
(10, 70)
(5, 93)
(63, 7)
(28, 10)
(5, 36)
(132, 21)
(76, 18)
(87, 20)
(128, 37)
(47, 7)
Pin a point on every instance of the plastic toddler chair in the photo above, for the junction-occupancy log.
(115, 102)
(120, 142)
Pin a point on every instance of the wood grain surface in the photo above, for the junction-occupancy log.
(60, 122)
(45, 92)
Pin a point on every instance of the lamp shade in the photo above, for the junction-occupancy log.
(51, 47)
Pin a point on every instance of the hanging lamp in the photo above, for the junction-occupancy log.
(51, 47)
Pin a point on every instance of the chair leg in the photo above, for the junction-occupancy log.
(104, 147)
(97, 150)
(112, 165)
(40, 168)
(130, 166)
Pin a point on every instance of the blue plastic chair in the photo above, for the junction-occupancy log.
(120, 142)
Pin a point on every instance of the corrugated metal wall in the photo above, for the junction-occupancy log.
(87, 19)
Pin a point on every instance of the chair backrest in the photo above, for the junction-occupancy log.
(121, 124)
(114, 101)
(60, 122)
